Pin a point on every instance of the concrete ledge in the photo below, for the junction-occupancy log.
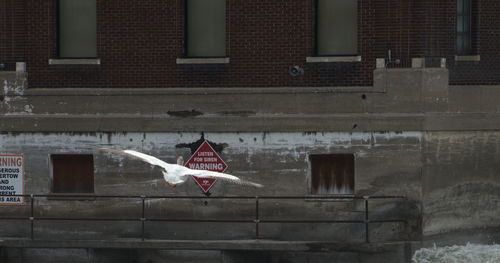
(333, 59)
(210, 123)
(380, 63)
(418, 62)
(268, 245)
(20, 67)
(468, 58)
(253, 123)
(194, 91)
(75, 61)
(202, 61)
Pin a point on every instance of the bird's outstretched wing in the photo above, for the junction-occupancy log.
(179, 170)
(138, 155)
(223, 176)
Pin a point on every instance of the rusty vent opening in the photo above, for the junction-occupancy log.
(332, 174)
(72, 173)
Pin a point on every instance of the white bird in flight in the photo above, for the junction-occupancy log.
(175, 174)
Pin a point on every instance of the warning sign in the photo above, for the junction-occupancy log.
(206, 158)
(11, 179)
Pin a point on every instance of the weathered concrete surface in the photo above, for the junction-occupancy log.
(465, 99)
(12, 88)
(230, 252)
(461, 186)
(409, 91)
(411, 134)
(279, 160)
(386, 164)
(400, 100)
(229, 245)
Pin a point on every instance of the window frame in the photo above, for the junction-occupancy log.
(186, 39)
(355, 55)
(58, 37)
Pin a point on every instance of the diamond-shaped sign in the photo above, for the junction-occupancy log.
(206, 158)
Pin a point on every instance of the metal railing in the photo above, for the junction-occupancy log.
(256, 219)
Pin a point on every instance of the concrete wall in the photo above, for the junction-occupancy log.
(386, 164)
(460, 185)
(396, 102)
(411, 134)
(209, 256)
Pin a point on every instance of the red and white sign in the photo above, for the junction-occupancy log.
(206, 158)
(11, 179)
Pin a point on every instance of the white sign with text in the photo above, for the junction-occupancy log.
(11, 179)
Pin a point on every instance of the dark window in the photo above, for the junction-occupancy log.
(336, 27)
(206, 28)
(332, 173)
(464, 34)
(77, 28)
(72, 173)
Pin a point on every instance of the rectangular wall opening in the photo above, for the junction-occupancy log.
(72, 173)
(332, 174)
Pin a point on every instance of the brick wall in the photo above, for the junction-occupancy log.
(486, 43)
(437, 39)
(138, 43)
(12, 29)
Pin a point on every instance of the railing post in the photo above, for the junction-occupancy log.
(143, 219)
(32, 216)
(257, 220)
(367, 220)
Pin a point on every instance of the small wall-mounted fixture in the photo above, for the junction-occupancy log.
(396, 61)
(296, 70)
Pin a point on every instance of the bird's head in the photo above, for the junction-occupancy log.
(180, 160)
